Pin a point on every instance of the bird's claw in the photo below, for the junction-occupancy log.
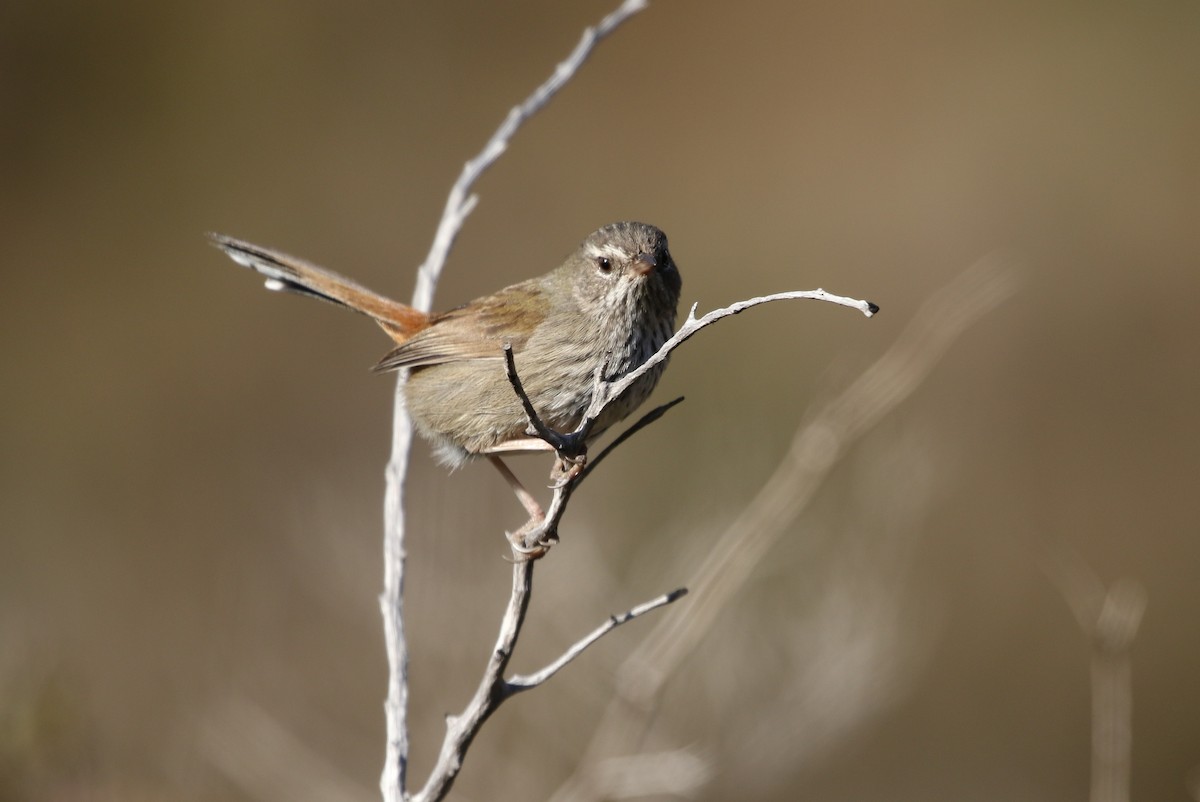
(533, 540)
(540, 547)
(566, 470)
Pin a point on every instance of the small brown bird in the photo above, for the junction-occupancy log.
(613, 299)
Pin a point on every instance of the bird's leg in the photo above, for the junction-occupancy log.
(536, 514)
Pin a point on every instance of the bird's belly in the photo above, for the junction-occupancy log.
(469, 407)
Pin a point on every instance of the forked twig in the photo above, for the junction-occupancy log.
(1109, 616)
(607, 391)
(523, 682)
(539, 534)
(494, 689)
(560, 442)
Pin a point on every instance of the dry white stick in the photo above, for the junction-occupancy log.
(537, 535)
(461, 729)
(610, 390)
(493, 689)
(459, 204)
(523, 682)
(392, 781)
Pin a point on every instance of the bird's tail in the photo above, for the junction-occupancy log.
(289, 274)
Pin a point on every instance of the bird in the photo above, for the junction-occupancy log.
(610, 305)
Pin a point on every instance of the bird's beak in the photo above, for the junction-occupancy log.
(644, 263)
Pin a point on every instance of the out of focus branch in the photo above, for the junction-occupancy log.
(1109, 617)
(266, 760)
(816, 447)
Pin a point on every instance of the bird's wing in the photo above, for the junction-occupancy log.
(477, 330)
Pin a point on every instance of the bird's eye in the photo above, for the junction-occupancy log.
(604, 263)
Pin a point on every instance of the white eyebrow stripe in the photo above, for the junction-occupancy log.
(609, 250)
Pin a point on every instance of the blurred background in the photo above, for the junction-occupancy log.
(191, 469)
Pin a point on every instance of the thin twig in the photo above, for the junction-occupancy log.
(523, 682)
(461, 729)
(459, 203)
(537, 535)
(494, 690)
(536, 424)
(606, 391)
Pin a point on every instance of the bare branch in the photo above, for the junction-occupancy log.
(493, 689)
(610, 390)
(537, 535)
(461, 729)
(392, 781)
(459, 204)
(524, 682)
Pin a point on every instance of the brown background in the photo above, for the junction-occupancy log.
(191, 469)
